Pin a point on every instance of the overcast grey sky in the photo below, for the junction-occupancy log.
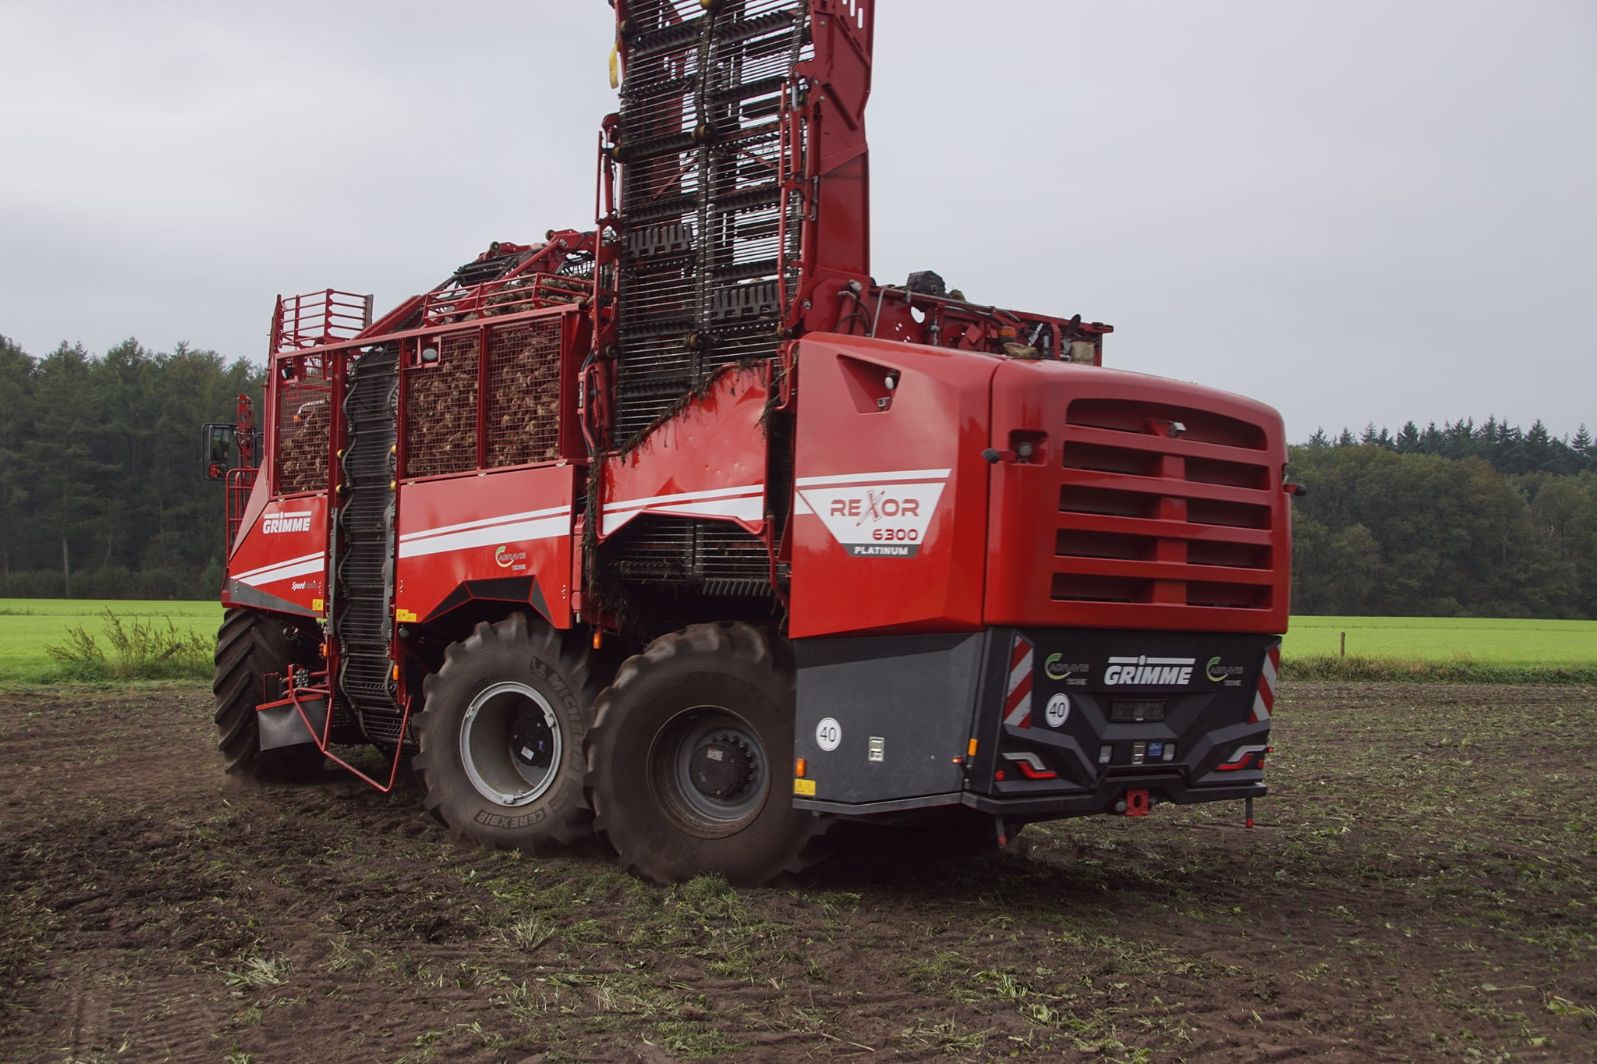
(1356, 211)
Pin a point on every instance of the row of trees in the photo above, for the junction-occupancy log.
(100, 465)
(1504, 447)
(100, 470)
(1504, 527)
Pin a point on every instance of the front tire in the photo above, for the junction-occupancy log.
(499, 738)
(688, 760)
(250, 646)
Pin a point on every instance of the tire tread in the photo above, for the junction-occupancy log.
(568, 827)
(247, 648)
(716, 641)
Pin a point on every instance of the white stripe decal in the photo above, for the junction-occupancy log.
(1269, 672)
(745, 503)
(1020, 712)
(246, 577)
(875, 478)
(751, 508)
(653, 501)
(503, 519)
(282, 573)
(543, 528)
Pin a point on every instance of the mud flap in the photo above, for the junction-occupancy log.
(281, 725)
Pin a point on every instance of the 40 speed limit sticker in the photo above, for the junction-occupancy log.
(829, 734)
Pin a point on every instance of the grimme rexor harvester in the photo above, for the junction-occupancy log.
(688, 531)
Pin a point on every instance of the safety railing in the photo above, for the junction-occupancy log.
(317, 318)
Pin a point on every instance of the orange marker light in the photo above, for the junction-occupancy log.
(799, 768)
(395, 673)
(970, 751)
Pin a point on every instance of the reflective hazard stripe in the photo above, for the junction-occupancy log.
(1017, 699)
(1264, 697)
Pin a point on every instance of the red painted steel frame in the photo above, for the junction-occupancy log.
(1145, 504)
(859, 456)
(316, 319)
(279, 560)
(1104, 499)
(285, 569)
(707, 462)
(480, 529)
(298, 696)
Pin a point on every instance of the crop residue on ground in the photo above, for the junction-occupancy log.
(1421, 886)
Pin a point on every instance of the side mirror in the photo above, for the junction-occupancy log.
(219, 450)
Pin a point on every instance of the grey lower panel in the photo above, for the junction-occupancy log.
(886, 719)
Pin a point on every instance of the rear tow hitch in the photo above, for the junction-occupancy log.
(1135, 803)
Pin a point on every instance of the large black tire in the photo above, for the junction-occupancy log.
(249, 646)
(709, 706)
(493, 686)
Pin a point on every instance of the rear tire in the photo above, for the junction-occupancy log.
(499, 738)
(688, 760)
(249, 646)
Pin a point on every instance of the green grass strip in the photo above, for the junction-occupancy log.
(1390, 670)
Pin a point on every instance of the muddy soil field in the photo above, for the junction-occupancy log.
(1422, 884)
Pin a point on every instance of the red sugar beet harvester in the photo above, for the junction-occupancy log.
(687, 531)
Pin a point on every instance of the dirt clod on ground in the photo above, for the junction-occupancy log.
(1421, 885)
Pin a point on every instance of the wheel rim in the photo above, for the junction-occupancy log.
(511, 743)
(710, 771)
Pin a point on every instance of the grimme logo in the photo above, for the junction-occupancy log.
(299, 521)
(1125, 672)
(877, 520)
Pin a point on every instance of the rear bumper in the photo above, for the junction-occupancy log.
(1031, 723)
(1110, 793)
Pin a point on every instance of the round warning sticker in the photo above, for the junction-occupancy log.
(829, 734)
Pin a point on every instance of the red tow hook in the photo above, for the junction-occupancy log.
(1137, 802)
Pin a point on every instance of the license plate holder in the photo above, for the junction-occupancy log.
(1138, 710)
